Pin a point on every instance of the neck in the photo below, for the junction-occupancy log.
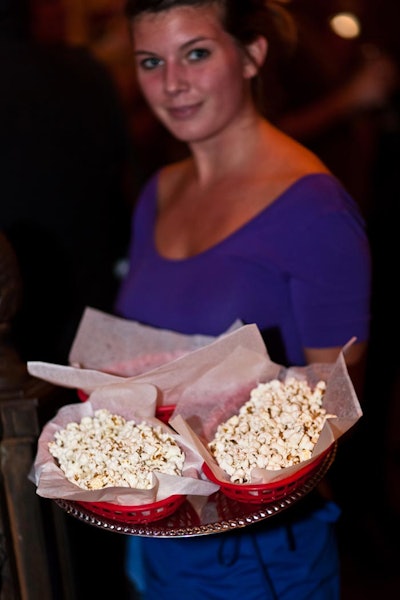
(230, 150)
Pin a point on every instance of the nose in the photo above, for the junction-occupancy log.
(175, 79)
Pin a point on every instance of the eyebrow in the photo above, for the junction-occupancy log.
(183, 47)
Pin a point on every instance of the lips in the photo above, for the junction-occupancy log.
(183, 112)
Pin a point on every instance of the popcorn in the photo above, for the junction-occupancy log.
(108, 451)
(276, 428)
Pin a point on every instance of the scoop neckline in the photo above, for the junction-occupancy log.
(240, 229)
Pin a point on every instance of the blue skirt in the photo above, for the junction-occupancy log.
(296, 560)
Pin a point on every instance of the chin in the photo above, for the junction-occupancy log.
(190, 136)
(188, 132)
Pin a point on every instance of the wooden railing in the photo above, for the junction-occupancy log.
(35, 561)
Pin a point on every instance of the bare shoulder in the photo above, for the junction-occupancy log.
(308, 163)
(286, 161)
(296, 160)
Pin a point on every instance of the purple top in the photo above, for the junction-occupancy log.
(300, 269)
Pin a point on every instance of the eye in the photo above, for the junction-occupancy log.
(198, 54)
(149, 63)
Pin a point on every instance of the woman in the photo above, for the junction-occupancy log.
(250, 226)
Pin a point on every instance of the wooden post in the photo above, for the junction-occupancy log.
(34, 557)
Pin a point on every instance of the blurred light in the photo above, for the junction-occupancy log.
(346, 25)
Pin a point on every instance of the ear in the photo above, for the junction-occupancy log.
(255, 57)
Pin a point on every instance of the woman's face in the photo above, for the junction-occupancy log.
(191, 72)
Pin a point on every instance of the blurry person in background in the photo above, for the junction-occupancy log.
(65, 158)
(334, 90)
(250, 226)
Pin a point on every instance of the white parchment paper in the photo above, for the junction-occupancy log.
(207, 379)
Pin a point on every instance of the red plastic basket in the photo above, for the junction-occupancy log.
(269, 492)
(145, 513)
(162, 412)
(82, 395)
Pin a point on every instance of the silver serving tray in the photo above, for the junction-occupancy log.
(219, 514)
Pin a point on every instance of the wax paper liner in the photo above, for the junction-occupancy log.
(108, 349)
(209, 384)
(339, 399)
(123, 347)
(132, 401)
